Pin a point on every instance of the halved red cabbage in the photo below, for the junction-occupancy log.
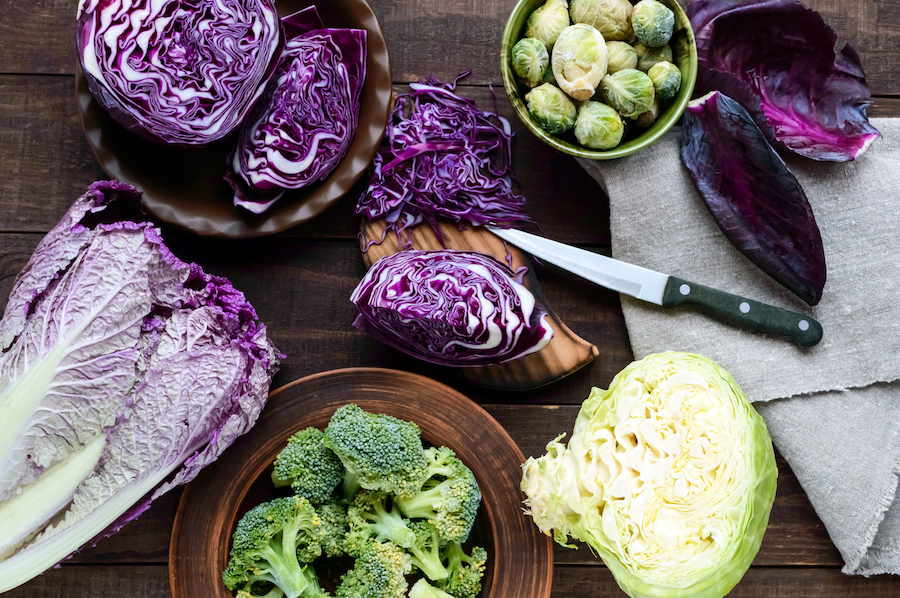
(445, 158)
(751, 193)
(303, 125)
(178, 71)
(456, 308)
(783, 53)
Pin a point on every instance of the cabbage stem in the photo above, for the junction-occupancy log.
(26, 512)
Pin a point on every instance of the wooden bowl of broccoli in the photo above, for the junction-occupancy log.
(362, 481)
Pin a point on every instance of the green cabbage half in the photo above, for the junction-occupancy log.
(669, 476)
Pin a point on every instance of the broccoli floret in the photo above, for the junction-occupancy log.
(309, 467)
(333, 515)
(426, 551)
(449, 498)
(373, 517)
(466, 570)
(379, 573)
(269, 544)
(423, 589)
(384, 452)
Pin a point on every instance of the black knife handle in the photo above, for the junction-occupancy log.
(743, 312)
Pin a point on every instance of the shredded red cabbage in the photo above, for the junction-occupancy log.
(444, 158)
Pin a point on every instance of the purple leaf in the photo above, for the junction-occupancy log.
(783, 53)
(753, 196)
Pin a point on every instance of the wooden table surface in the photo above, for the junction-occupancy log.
(300, 281)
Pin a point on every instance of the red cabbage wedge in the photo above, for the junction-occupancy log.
(455, 308)
(752, 194)
(445, 159)
(777, 58)
(303, 126)
(185, 72)
(124, 371)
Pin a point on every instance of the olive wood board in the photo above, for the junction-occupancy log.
(565, 354)
(520, 559)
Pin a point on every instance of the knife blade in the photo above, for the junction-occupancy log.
(668, 291)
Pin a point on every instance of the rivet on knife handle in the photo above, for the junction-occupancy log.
(744, 312)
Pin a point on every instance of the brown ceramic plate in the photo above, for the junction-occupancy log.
(184, 186)
(520, 560)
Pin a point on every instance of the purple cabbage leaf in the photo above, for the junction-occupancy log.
(304, 124)
(123, 372)
(185, 72)
(455, 308)
(751, 193)
(444, 158)
(777, 58)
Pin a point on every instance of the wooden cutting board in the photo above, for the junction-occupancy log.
(566, 352)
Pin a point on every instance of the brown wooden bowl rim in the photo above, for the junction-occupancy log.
(528, 539)
(201, 201)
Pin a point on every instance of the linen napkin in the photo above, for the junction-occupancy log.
(833, 410)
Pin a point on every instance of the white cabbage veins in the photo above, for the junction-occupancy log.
(306, 119)
(450, 307)
(123, 372)
(665, 475)
(178, 71)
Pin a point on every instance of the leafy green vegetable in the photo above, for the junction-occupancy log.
(679, 426)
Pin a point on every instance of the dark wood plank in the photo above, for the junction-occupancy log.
(441, 37)
(568, 582)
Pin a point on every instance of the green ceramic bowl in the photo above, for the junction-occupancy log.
(684, 50)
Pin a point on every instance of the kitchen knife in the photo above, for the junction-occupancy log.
(666, 290)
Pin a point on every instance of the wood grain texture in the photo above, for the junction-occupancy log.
(564, 355)
(444, 37)
(519, 556)
(568, 582)
(46, 163)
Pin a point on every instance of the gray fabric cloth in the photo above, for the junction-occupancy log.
(834, 409)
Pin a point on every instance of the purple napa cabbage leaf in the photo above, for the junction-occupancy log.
(185, 72)
(751, 193)
(108, 336)
(304, 124)
(444, 158)
(455, 308)
(777, 57)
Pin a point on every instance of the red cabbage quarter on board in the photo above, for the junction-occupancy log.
(185, 72)
(455, 308)
(777, 56)
(124, 371)
(445, 159)
(752, 195)
(305, 122)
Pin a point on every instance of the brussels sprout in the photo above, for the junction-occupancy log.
(653, 22)
(669, 476)
(612, 18)
(666, 79)
(551, 109)
(530, 59)
(598, 126)
(645, 119)
(579, 60)
(630, 92)
(547, 22)
(619, 56)
(648, 56)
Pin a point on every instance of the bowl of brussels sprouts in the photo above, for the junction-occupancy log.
(598, 79)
